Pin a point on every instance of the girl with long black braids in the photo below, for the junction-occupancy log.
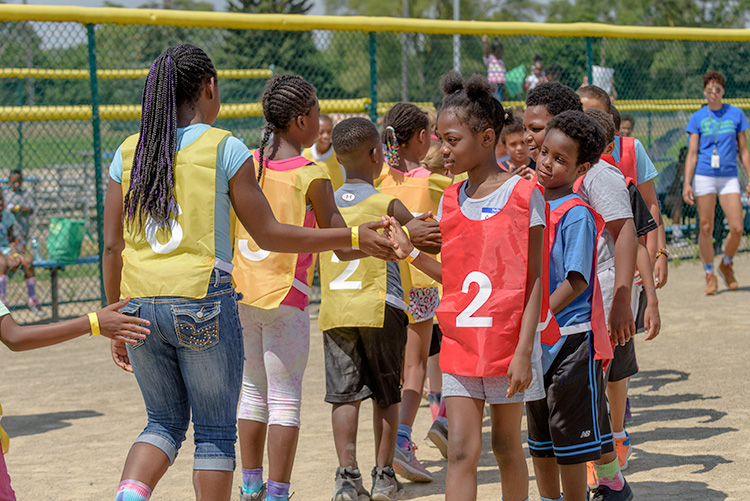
(168, 245)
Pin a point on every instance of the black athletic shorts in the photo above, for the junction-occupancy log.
(437, 340)
(571, 424)
(366, 362)
(624, 364)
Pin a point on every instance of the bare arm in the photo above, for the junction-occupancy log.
(744, 156)
(690, 162)
(424, 234)
(112, 325)
(519, 370)
(651, 318)
(621, 323)
(256, 216)
(485, 47)
(573, 286)
(113, 241)
(403, 247)
(657, 239)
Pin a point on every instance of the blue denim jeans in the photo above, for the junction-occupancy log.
(191, 362)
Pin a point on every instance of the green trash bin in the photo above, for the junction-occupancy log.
(64, 239)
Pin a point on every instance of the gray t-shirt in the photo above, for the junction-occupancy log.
(22, 198)
(605, 190)
(351, 194)
(478, 209)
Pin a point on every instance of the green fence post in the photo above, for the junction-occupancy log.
(20, 126)
(589, 60)
(373, 78)
(97, 152)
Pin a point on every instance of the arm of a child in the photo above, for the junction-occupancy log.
(403, 247)
(744, 154)
(255, 214)
(111, 324)
(655, 240)
(573, 286)
(519, 370)
(651, 318)
(621, 323)
(424, 235)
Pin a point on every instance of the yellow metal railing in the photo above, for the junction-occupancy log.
(115, 74)
(292, 22)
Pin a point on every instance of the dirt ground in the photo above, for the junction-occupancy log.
(72, 415)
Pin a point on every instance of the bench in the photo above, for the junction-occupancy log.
(54, 268)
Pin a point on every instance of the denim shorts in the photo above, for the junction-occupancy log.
(191, 363)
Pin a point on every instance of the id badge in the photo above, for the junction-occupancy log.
(488, 212)
(715, 159)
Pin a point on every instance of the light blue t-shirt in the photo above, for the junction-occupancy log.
(717, 129)
(572, 251)
(644, 167)
(232, 153)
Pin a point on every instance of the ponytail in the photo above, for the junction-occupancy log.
(391, 147)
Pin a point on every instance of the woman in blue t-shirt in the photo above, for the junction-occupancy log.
(716, 137)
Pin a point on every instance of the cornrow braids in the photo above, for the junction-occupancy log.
(400, 124)
(472, 102)
(176, 78)
(284, 99)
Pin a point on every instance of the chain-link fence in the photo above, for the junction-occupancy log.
(60, 126)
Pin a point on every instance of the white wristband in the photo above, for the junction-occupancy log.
(412, 255)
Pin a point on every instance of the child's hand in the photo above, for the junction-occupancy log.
(651, 321)
(373, 244)
(525, 172)
(402, 246)
(425, 233)
(519, 375)
(120, 355)
(119, 327)
(621, 323)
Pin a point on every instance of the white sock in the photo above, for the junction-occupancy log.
(619, 434)
(727, 260)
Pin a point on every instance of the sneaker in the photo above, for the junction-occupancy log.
(349, 486)
(628, 415)
(438, 435)
(727, 273)
(258, 496)
(711, 284)
(406, 464)
(622, 446)
(592, 479)
(385, 485)
(34, 307)
(604, 493)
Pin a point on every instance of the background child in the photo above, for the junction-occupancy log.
(273, 311)
(634, 163)
(323, 153)
(407, 141)
(490, 351)
(493, 60)
(106, 322)
(518, 150)
(363, 319)
(14, 256)
(603, 188)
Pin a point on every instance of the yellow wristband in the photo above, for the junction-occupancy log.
(94, 321)
(407, 232)
(412, 255)
(355, 237)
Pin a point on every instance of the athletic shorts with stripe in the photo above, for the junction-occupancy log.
(571, 424)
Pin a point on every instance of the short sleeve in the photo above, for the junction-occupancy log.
(115, 168)
(644, 221)
(606, 192)
(537, 207)
(232, 154)
(3, 310)
(694, 125)
(579, 238)
(644, 167)
(741, 121)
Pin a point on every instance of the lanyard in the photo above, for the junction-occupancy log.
(716, 130)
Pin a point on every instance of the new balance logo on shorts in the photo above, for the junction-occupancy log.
(586, 434)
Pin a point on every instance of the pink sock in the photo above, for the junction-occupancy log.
(31, 287)
(133, 490)
(441, 410)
